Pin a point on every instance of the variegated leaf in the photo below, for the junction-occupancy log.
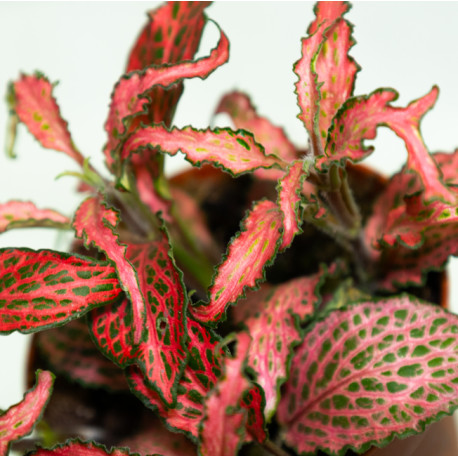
(448, 165)
(272, 316)
(243, 265)
(43, 289)
(316, 65)
(15, 214)
(200, 375)
(70, 351)
(234, 151)
(19, 420)
(129, 99)
(223, 428)
(162, 354)
(370, 372)
(254, 402)
(273, 138)
(96, 223)
(34, 104)
(289, 199)
(171, 35)
(358, 120)
(78, 447)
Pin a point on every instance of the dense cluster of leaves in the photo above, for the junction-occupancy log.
(339, 359)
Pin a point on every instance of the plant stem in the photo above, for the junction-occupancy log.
(273, 448)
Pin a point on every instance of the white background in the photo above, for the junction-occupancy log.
(408, 46)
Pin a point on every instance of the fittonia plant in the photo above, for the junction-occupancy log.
(331, 356)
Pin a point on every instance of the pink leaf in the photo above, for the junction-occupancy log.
(95, 223)
(243, 266)
(200, 375)
(223, 427)
(324, 60)
(254, 402)
(371, 372)
(128, 99)
(70, 351)
(234, 152)
(274, 140)
(358, 120)
(162, 354)
(270, 315)
(25, 214)
(36, 107)
(42, 289)
(155, 438)
(289, 200)
(448, 165)
(19, 420)
(78, 447)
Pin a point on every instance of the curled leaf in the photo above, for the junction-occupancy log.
(19, 420)
(32, 101)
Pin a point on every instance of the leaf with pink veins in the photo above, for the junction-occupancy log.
(289, 200)
(19, 420)
(326, 74)
(200, 375)
(273, 138)
(358, 120)
(18, 214)
(223, 428)
(43, 289)
(249, 252)
(78, 447)
(130, 96)
(96, 223)
(368, 373)
(235, 152)
(32, 101)
(161, 355)
(272, 316)
(70, 351)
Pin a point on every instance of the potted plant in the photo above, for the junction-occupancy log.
(313, 326)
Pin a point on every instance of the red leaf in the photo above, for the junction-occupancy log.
(25, 214)
(36, 107)
(223, 428)
(78, 447)
(289, 199)
(20, 419)
(202, 370)
(234, 152)
(42, 289)
(358, 120)
(95, 223)
(172, 35)
(243, 266)
(254, 403)
(70, 351)
(368, 373)
(162, 354)
(128, 98)
(270, 316)
(274, 140)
